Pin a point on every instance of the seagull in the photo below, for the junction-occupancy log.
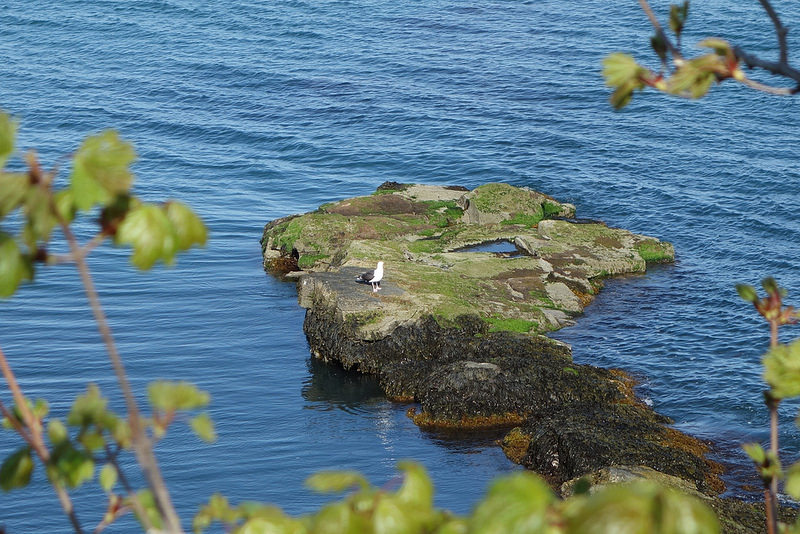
(372, 277)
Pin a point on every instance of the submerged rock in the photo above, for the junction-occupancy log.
(460, 332)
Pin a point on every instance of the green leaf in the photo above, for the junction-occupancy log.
(267, 520)
(92, 440)
(108, 477)
(169, 396)
(659, 45)
(720, 46)
(69, 465)
(8, 133)
(217, 509)
(57, 431)
(770, 285)
(148, 504)
(454, 526)
(622, 71)
(41, 408)
(747, 292)
(151, 234)
(261, 525)
(339, 518)
(16, 470)
(515, 503)
(642, 507)
(792, 485)
(782, 370)
(336, 481)
(100, 169)
(696, 76)
(13, 267)
(767, 463)
(88, 409)
(618, 69)
(755, 452)
(40, 219)
(393, 517)
(121, 432)
(189, 229)
(203, 426)
(13, 188)
(677, 17)
(65, 204)
(417, 489)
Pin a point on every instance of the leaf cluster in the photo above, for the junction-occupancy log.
(101, 179)
(688, 78)
(521, 502)
(93, 435)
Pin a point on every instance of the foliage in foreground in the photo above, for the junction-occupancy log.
(521, 502)
(686, 77)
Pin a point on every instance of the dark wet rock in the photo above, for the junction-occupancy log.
(565, 446)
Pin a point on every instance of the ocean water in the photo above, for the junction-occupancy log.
(254, 110)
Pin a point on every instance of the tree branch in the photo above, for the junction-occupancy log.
(775, 67)
(780, 29)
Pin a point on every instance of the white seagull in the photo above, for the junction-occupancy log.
(372, 277)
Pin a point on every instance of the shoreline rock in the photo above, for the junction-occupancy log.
(461, 333)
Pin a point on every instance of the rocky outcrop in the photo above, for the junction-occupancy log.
(460, 332)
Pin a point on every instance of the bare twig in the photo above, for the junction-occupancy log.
(33, 424)
(772, 405)
(96, 241)
(778, 91)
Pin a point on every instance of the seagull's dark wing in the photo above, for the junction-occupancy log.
(367, 276)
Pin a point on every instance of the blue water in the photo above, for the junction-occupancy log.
(254, 110)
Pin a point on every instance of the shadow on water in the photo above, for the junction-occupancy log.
(330, 386)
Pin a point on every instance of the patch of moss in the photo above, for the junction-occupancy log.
(308, 260)
(510, 324)
(655, 251)
(525, 219)
(289, 233)
(443, 213)
(427, 246)
(550, 208)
